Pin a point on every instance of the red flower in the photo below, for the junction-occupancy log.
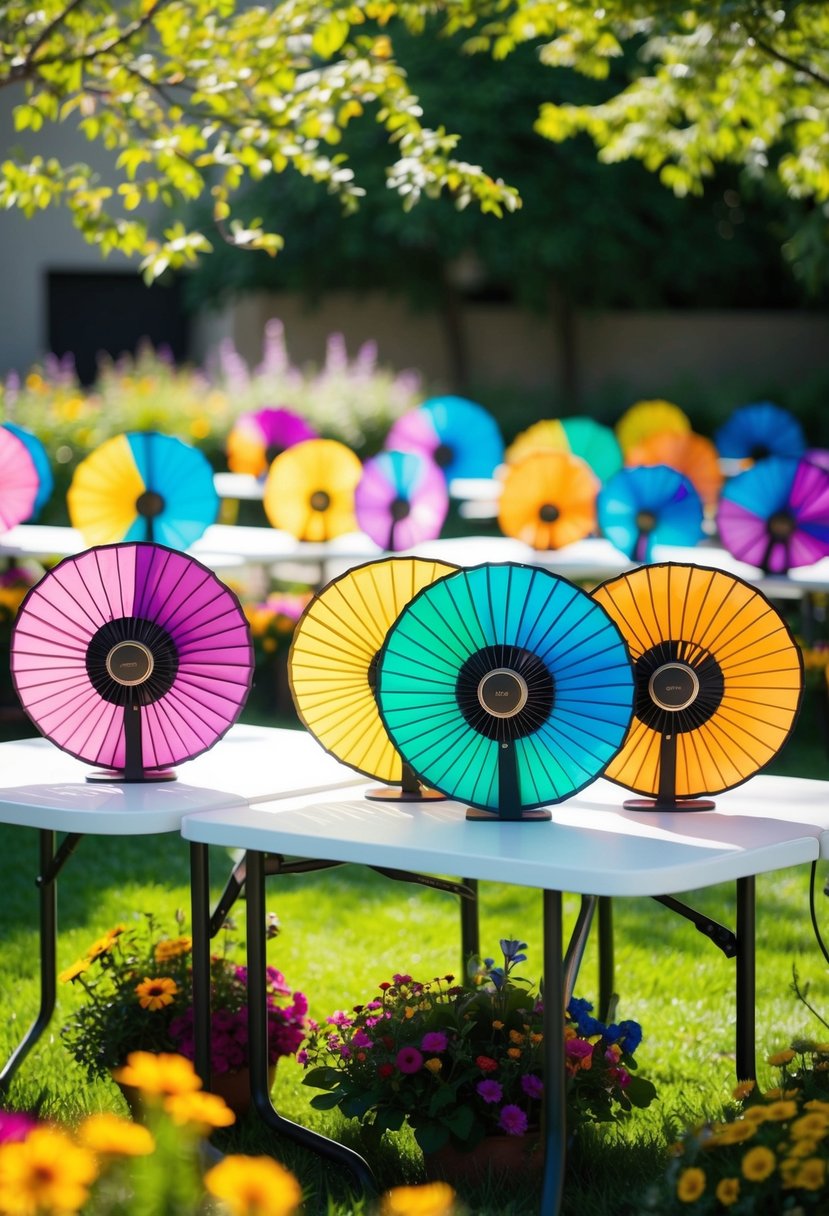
(385, 1071)
(487, 1064)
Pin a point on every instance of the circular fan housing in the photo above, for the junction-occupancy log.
(719, 681)
(143, 486)
(692, 455)
(131, 656)
(646, 418)
(775, 515)
(503, 687)
(333, 658)
(593, 442)
(309, 490)
(46, 482)
(259, 436)
(649, 505)
(401, 500)
(548, 500)
(19, 481)
(756, 431)
(460, 436)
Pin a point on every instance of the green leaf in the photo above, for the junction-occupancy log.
(329, 37)
(431, 1136)
(325, 1101)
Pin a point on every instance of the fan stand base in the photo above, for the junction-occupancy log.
(116, 775)
(392, 793)
(680, 804)
(539, 815)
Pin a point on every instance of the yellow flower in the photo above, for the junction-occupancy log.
(200, 1109)
(432, 1199)
(803, 1148)
(691, 1184)
(812, 1174)
(172, 948)
(728, 1191)
(200, 428)
(743, 1089)
(817, 1104)
(72, 973)
(782, 1057)
(45, 1173)
(108, 1133)
(102, 946)
(782, 1109)
(736, 1133)
(155, 994)
(253, 1186)
(158, 1073)
(434, 1064)
(755, 1115)
(758, 1163)
(813, 1126)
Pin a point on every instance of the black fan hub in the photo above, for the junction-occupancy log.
(272, 451)
(679, 686)
(149, 504)
(505, 692)
(399, 509)
(320, 500)
(646, 521)
(759, 451)
(781, 525)
(548, 513)
(131, 661)
(443, 455)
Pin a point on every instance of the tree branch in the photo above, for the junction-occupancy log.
(769, 49)
(47, 31)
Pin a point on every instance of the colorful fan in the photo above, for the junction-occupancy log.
(775, 515)
(692, 455)
(259, 436)
(401, 500)
(143, 486)
(548, 500)
(719, 680)
(594, 443)
(646, 506)
(132, 656)
(756, 431)
(506, 687)
(310, 488)
(333, 658)
(46, 482)
(647, 418)
(460, 436)
(19, 481)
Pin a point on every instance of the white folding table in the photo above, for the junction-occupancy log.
(591, 846)
(249, 764)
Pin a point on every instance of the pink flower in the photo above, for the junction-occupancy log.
(513, 1121)
(409, 1060)
(340, 1018)
(620, 1075)
(532, 1085)
(490, 1091)
(361, 1039)
(402, 979)
(578, 1048)
(434, 1041)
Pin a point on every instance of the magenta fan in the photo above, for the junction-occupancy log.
(775, 515)
(401, 500)
(132, 656)
(19, 481)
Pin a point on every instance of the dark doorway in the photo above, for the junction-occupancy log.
(94, 312)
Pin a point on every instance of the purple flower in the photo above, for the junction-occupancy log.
(402, 979)
(361, 1039)
(15, 1126)
(513, 1120)
(532, 1085)
(434, 1042)
(302, 1057)
(490, 1091)
(578, 1048)
(409, 1060)
(339, 1018)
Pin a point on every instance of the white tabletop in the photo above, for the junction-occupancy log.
(591, 846)
(46, 788)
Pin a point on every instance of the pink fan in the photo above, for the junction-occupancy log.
(19, 481)
(401, 500)
(132, 656)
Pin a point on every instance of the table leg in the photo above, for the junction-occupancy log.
(555, 1094)
(470, 929)
(258, 1038)
(48, 899)
(746, 979)
(606, 963)
(200, 920)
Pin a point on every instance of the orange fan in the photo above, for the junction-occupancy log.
(548, 500)
(693, 455)
(719, 681)
(309, 490)
(647, 418)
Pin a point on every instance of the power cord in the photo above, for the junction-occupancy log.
(813, 911)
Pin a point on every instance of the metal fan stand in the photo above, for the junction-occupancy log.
(129, 664)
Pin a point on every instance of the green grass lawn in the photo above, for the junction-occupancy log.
(346, 930)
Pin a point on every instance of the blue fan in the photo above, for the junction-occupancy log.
(462, 438)
(506, 687)
(647, 505)
(756, 431)
(46, 482)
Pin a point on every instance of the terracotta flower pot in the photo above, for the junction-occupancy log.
(506, 1155)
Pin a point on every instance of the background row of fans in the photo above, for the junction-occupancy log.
(649, 480)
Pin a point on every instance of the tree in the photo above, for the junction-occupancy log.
(196, 98)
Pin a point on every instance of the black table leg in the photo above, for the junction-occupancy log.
(746, 979)
(555, 1094)
(48, 899)
(200, 920)
(338, 1153)
(606, 963)
(470, 929)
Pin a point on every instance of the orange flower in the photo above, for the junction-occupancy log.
(203, 1110)
(431, 1199)
(109, 1134)
(158, 1073)
(155, 994)
(253, 1186)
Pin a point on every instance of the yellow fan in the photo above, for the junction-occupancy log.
(719, 681)
(646, 418)
(693, 455)
(332, 662)
(548, 500)
(309, 490)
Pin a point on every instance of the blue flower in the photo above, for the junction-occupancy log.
(579, 1012)
(631, 1036)
(511, 947)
